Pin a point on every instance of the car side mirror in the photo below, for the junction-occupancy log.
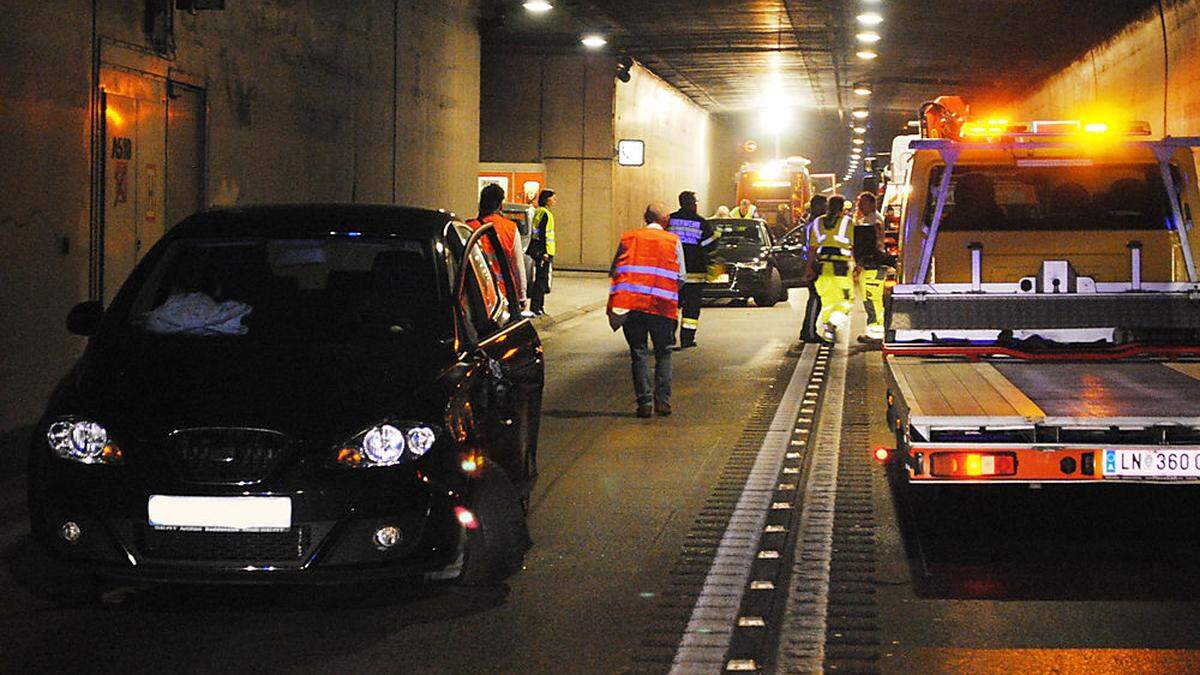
(84, 318)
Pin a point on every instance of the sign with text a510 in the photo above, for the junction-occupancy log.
(631, 152)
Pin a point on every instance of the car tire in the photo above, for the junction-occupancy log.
(495, 549)
(770, 294)
(785, 294)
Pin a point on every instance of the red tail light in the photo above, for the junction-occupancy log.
(972, 464)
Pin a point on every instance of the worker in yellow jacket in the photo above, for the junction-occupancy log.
(542, 249)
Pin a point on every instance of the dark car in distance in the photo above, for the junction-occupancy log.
(297, 393)
(751, 264)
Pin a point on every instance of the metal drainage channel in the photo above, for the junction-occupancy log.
(832, 619)
(739, 540)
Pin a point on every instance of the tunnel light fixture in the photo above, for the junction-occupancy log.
(860, 113)
(870, 18)
(869, 37)
(537, 6)
(863, 89)
(860, 129)
(593, 41)
(859, 141)
(867, 54)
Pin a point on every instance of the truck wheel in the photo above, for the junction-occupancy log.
(496, 547)
(770, 294)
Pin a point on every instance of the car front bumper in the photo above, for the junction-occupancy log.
(743, 283)
(331, 538)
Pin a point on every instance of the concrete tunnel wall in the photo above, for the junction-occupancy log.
(568, 112)
(1148, 71)
(300, 102)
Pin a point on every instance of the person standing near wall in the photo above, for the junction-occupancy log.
(870, 263)
(542, 249)
(698, 239)
(491, 200)
(816, 209)
(647, 274)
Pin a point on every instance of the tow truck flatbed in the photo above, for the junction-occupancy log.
(1014, 393)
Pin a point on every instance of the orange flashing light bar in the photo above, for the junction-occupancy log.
(995, 128)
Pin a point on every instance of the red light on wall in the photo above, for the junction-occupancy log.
(973, 464)
(882, 455)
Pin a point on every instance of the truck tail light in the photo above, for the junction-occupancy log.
(972, 464)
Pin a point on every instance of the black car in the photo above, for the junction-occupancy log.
(298, 393)
(750, 264)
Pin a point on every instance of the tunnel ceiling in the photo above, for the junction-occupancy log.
(729, 55)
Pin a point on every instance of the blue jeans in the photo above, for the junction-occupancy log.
(661, 331)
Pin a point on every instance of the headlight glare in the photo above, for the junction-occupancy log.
(384, 444)
(420, 440)
(82, 441)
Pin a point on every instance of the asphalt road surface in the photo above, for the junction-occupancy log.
(1024, 581)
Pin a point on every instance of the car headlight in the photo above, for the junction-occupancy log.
(387, 444)
(756, 265)
(83, 441)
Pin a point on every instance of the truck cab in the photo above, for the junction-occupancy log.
(1046, 323)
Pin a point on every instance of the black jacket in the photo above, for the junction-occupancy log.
(698, 239)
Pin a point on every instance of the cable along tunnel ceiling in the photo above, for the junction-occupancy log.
(727, 55)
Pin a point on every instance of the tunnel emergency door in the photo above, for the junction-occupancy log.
(134, 180)
(185, 152)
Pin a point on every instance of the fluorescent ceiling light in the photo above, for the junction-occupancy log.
(860, 130)
(859, 141)
(863, 89)
(869, 37)
(867, 54)
(593, 41)
(538, 6)
(860, 113)
(870, 18)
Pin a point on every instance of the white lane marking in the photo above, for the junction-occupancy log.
(710, 629)
(802, 641)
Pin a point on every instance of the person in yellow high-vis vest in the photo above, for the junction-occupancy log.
(542, 249)
(831, 249)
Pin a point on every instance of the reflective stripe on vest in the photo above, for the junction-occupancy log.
(840, 246)
(647, 274)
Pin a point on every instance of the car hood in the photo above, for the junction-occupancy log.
(734, 252)
(149, 387)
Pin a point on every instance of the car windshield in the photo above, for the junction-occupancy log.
(1053, 198)
(331, 289)
(740, 231)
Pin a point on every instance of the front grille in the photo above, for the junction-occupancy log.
(226, 456)
(240, 547)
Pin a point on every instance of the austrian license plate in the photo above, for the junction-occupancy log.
(220, 513)
(1152, 463)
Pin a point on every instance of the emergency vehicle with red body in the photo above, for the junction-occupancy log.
(1046, 323)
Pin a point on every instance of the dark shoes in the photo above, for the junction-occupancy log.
(661, 407)
(681, 347)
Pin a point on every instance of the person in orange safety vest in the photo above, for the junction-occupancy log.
(647, 274)
(491, 199)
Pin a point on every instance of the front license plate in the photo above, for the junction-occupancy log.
(1152, 463)
(721, 279)
(220, 513)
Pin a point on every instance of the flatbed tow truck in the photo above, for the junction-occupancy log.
(1046, 323)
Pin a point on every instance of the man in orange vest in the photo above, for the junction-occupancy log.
(647, 275)
(491, 200)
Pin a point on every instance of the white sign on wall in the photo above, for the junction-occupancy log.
(631, 152)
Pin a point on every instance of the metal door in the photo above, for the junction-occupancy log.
(185, 152)
(134, 121)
